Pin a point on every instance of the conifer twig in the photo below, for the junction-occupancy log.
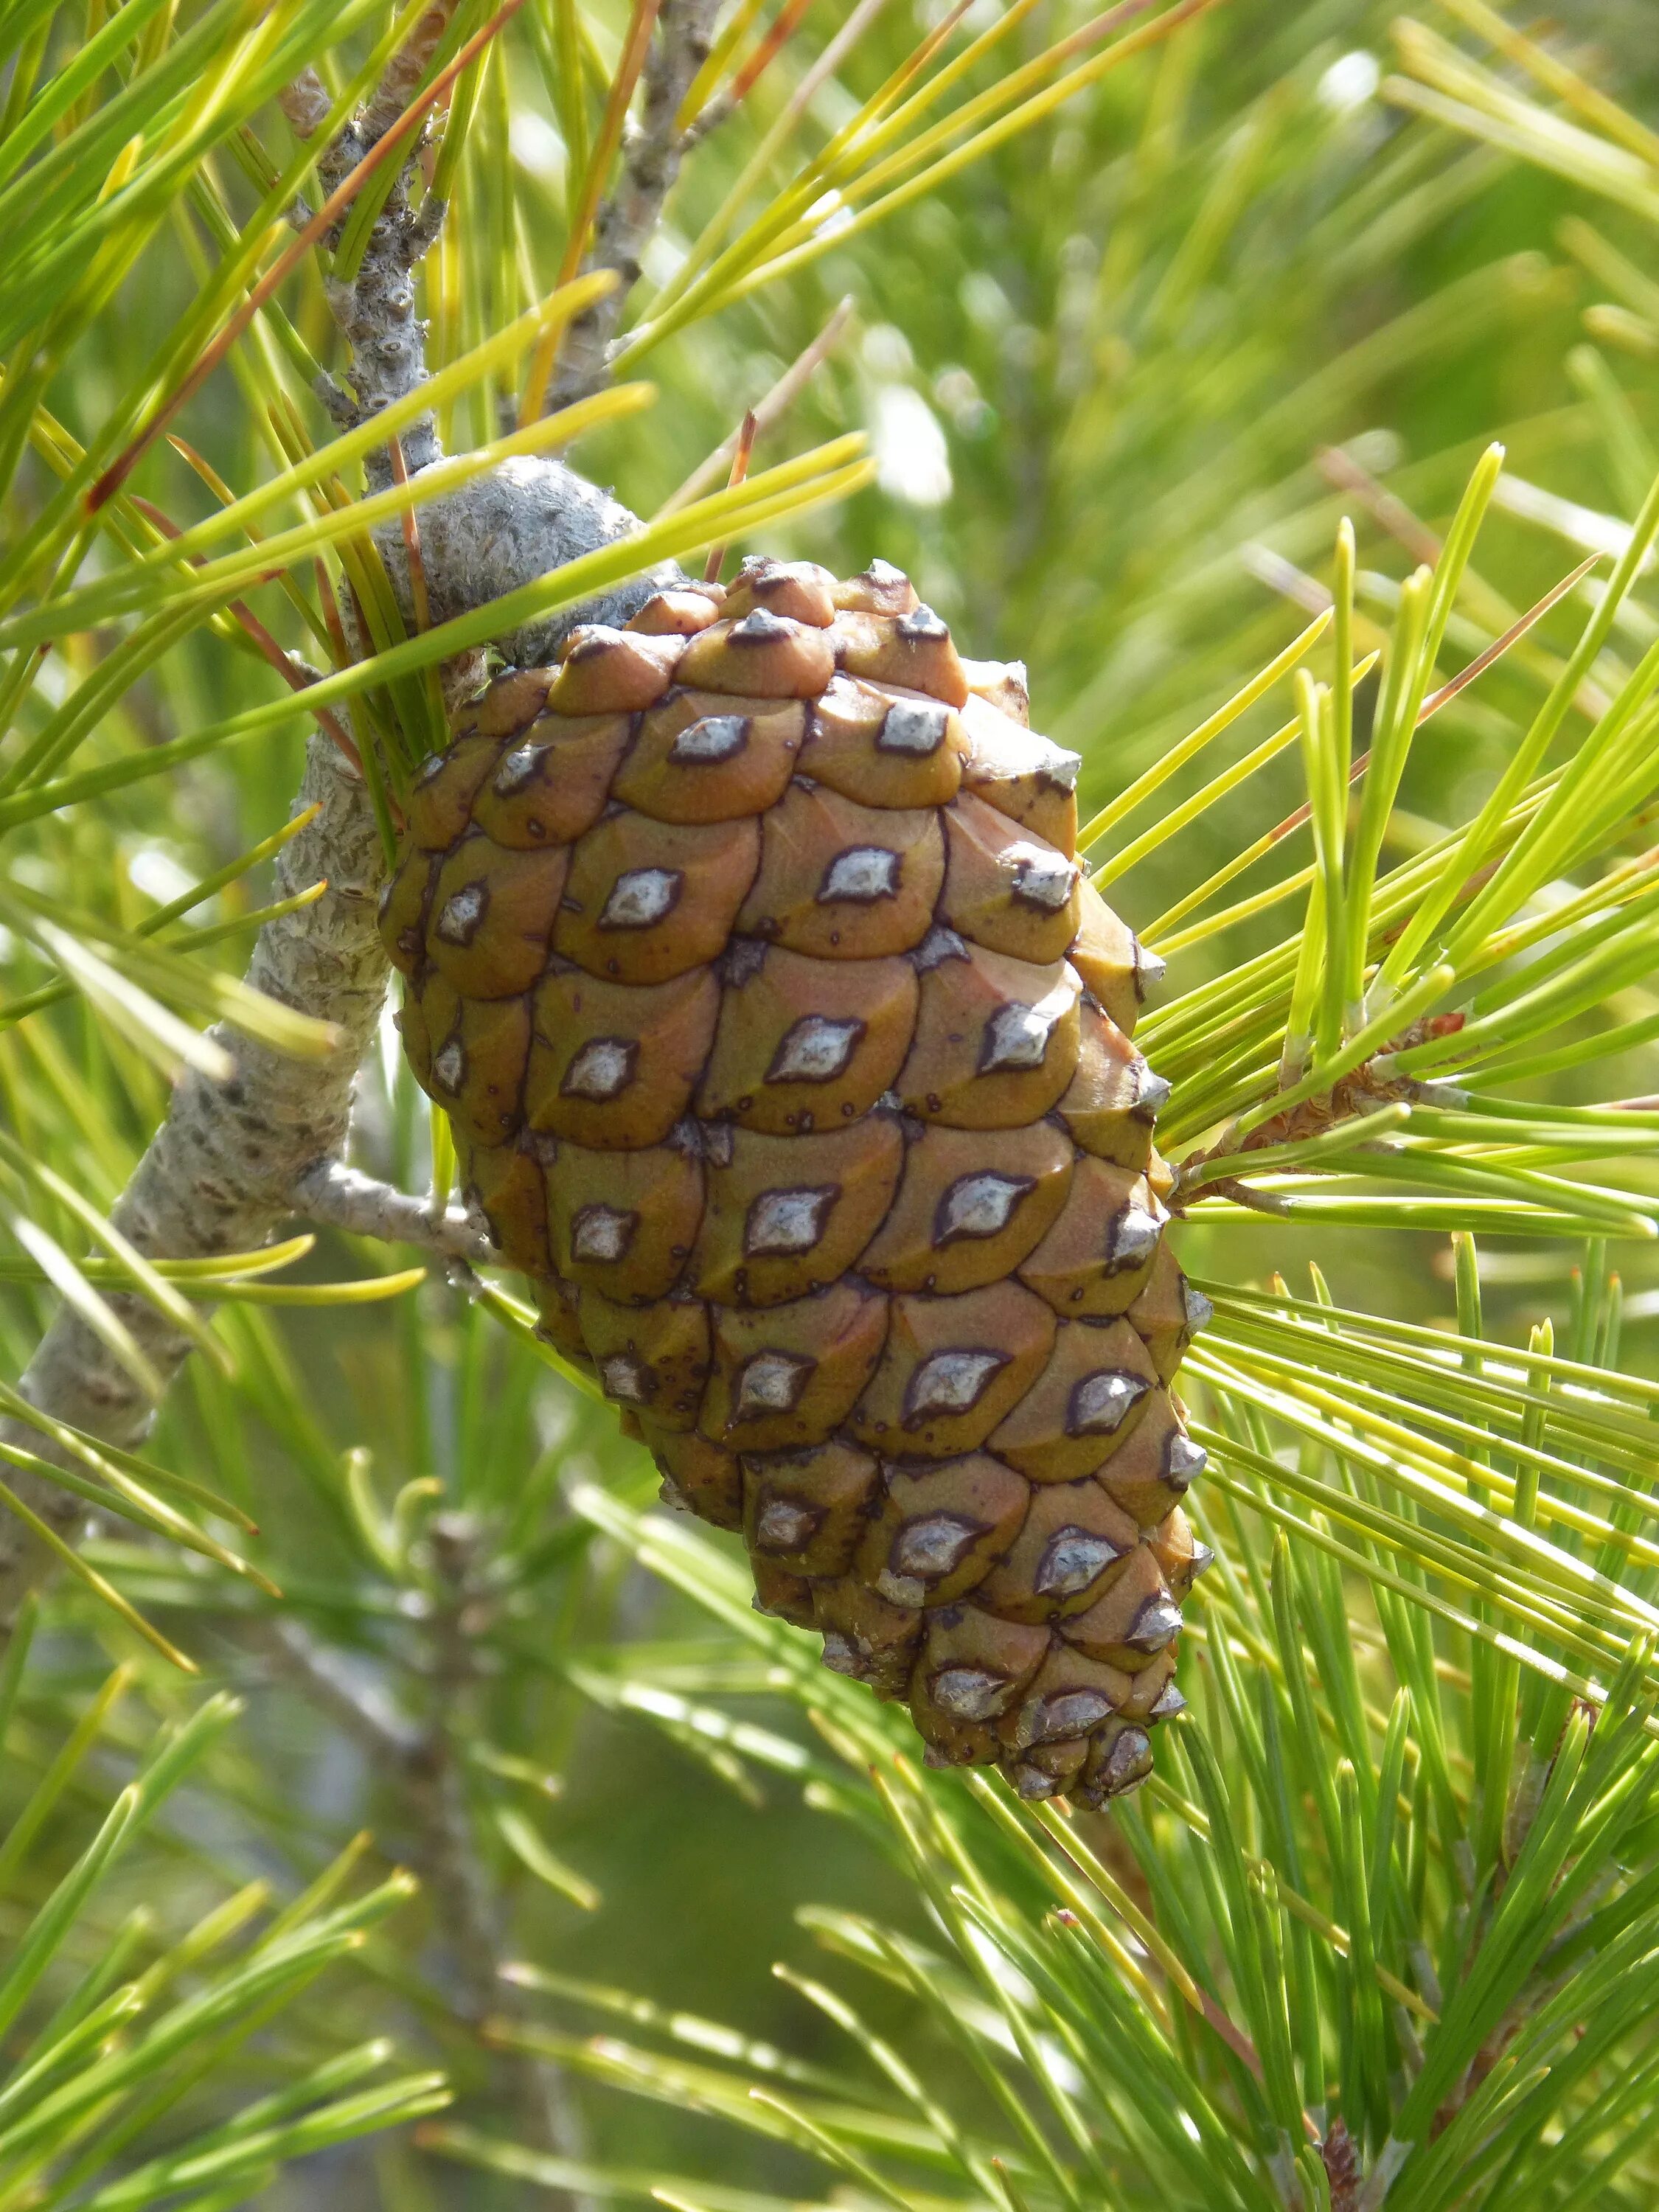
(650, 163)
(403, 72)
(343, 1198)
(356, 1706)
(221, 1172)
(423, 1761)
(218, 1172)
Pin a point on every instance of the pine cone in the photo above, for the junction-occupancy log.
(787, 1051)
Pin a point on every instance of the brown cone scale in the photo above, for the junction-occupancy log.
(786, 1047)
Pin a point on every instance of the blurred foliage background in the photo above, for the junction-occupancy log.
(1121, 379)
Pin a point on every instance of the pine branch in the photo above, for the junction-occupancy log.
(218, 1173)
(457, 1870)
(424, 1764)
(375, 309)
(344, 1198)
(650, 163)
(355, 1706)
(223, 1171)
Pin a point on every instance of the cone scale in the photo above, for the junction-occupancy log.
(788, 1052)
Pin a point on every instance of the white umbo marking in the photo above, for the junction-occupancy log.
(1131, 1239)
(601, 1233)
(782, 1525)
(1072, 1560)
(762, 627)
(1156, 1625)
(716, 738)
(951, 1382)
(772, 1383)
(604, 1066)
(933, 1545)
(1150, 968)
(1043, 877)
(815, 1050)
(862, 874)
(979, 1205)
(914, 726)
(517, 769)
(626, 1378)
(449, 1068)
(922, 624)
(1016, 1036)
(1183, 1460)
(1070, 1712)
(783, 1221)
(1100, 1402)
(972, 1694)
(1128, 1761)
(640, 897)
(463, 911)
(939, 945)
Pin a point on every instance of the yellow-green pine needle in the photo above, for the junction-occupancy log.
(1337, 978)
(1448, 572)
(1475, 845)
(1175, 758)
(1548, 69)
(1168, 825)
(1314, 954)
(1458, 92)
(1391, 737)
(1327, 793)
(68, 1556)
(828, 472)
(818, 234)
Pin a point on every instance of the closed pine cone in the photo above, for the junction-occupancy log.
(787, 1051)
